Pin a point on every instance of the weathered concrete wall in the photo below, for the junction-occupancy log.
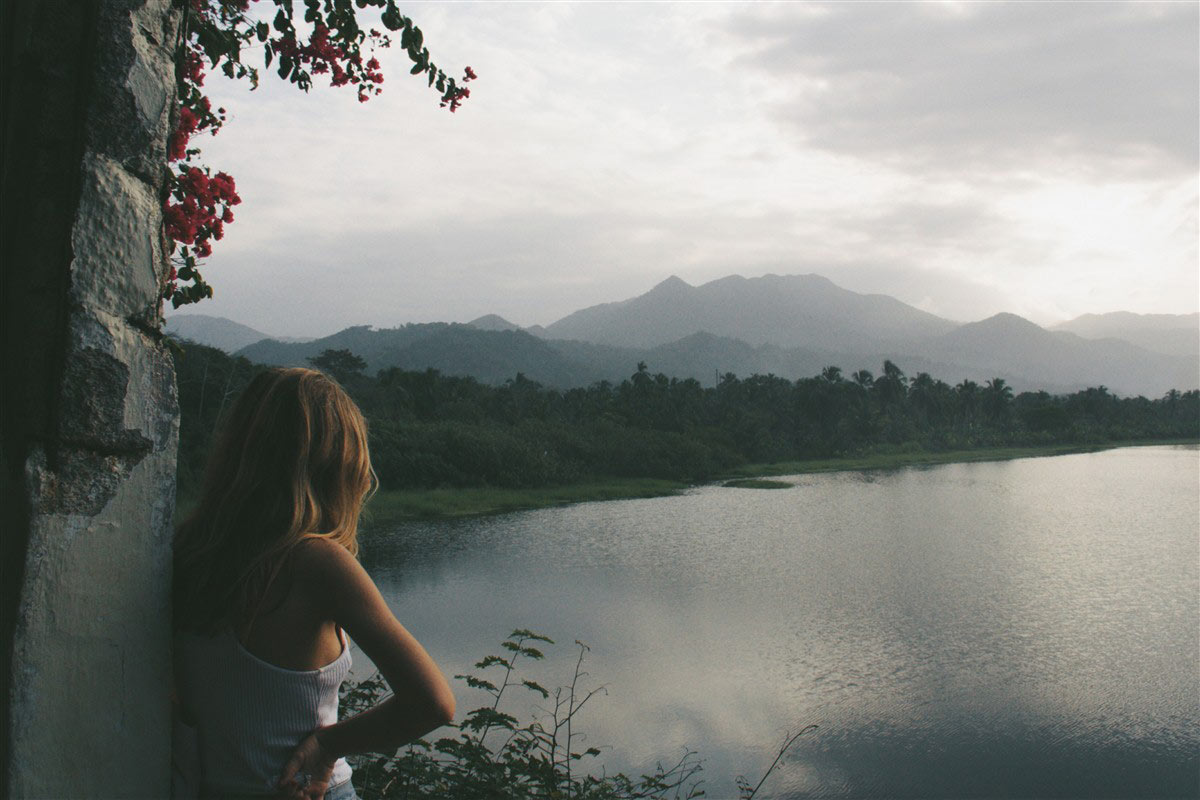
(89, 410)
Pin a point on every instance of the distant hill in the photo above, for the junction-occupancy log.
(493, 322)
(1008, 344)
(785, 310)
(1174, 334)
(488, 355)
(223, 334)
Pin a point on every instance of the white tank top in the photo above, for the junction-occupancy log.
(249, 714)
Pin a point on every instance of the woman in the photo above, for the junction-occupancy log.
(267, 585)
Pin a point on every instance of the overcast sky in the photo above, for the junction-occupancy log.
(968, 158)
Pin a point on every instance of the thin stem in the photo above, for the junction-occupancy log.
(778, 756)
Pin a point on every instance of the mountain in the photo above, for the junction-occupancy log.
(493, 322)
(223, 334)
(784, 310)
(1008, 345)
(1174, 334)
(489, 355)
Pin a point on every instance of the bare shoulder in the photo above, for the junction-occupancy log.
(316, 553)
(327, 566)
(333, 578)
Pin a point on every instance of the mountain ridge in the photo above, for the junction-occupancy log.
(1005, 345)
(787, 310)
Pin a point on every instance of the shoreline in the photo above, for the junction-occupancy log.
(390, 507)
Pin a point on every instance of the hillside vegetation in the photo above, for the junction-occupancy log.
(430, 430)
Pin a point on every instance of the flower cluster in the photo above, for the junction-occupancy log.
(198, 205)
(199, 208)
(454, 95)
(322, 56)
(195, 214)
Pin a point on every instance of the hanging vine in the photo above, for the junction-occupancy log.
(215, 34)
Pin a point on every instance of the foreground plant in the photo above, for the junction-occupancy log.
(494, 755)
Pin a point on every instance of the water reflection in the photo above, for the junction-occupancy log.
(1025, 628)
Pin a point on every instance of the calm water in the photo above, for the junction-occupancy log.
(1017, 629)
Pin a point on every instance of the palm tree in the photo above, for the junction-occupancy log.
(864, 378)
(891, 386)
(967, 402)
(997, 398)
(922, 396)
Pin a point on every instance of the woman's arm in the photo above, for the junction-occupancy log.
(421, 698)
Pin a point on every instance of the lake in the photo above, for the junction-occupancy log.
(1026, 628)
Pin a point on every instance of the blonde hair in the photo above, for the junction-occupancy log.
(291, 463)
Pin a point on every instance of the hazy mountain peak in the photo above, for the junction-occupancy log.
(672, 284)
(786, 310)
(1174, 334)
(1090, 324)
(219, 332)
(493, 322)
(1006, 319)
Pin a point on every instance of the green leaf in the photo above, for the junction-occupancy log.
(282, 23)
(416, 68)
(477, 683)
(536, 687)
(491, 660)
(285, 66)
(482, 718)
(262, 31)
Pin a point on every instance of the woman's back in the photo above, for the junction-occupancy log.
(266, 582)
(249, 713)
(254, 693)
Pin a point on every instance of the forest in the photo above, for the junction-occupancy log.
(429, 430)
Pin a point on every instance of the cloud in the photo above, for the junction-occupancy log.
(986, 86)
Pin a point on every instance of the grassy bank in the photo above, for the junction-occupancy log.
(894, 460)
(390, 506)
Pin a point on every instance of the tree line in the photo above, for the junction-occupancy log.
(431, 430)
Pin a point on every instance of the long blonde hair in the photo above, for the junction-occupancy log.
(291, 462)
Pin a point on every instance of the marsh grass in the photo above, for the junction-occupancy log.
(391, 505)
(756, 483)
(905, 457)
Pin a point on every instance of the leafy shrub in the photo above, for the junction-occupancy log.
(493, 755)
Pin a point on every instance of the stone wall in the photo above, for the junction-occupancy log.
(89, 415)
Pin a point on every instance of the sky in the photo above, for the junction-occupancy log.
(1038, 158)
